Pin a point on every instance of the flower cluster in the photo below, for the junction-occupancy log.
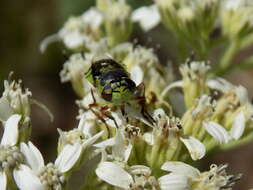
(22, 164)
(214, 106)
(149, 138)
(204, 26)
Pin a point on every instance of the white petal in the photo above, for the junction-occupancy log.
(140, 169)
(219, 84)
(118, 149)
(73, 39)
(114, 175)
(117, 117)
(87, 123)
(26, 179)
(81, 123)
(127, 152)
(92, 140)
(3, 181)
(180, 168)
(232, 4)
(137, 74)
(173, 182)
(68, 157)
(48, 40)
(242, 94)
(148, 17)
(238, 126)
(5, 109)
(105, 143)
(93, 17)
(196, 149)
(33, 156)
(217, 132)
(10, 136)
(177, 84)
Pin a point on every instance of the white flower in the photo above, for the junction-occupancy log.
(74, 70)
(148, 17)
(38, 175)
(144, 61)
(220, 134)
(171, 130)
(70, 34)
(203, 107)
(81, 135)
(136, 177)
(193, 82)
(184, 176)
(93, 18)
(10, 156)
(144, 57)
(77, 31)
(121, 149)
(194, 70)
(236, 18)
(234, 98)
(15, 99)
(118, 11)
(18, 100)
(181, 177)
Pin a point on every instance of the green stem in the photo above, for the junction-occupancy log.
(201, 134)
(154, 155)
(246, 41)
(236, 143)
(177, 153)
(10, 181)
(209, 143)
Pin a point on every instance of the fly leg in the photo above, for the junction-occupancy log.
(106, 113)
(98, 114)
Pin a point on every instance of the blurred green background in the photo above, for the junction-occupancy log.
(24, 25)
